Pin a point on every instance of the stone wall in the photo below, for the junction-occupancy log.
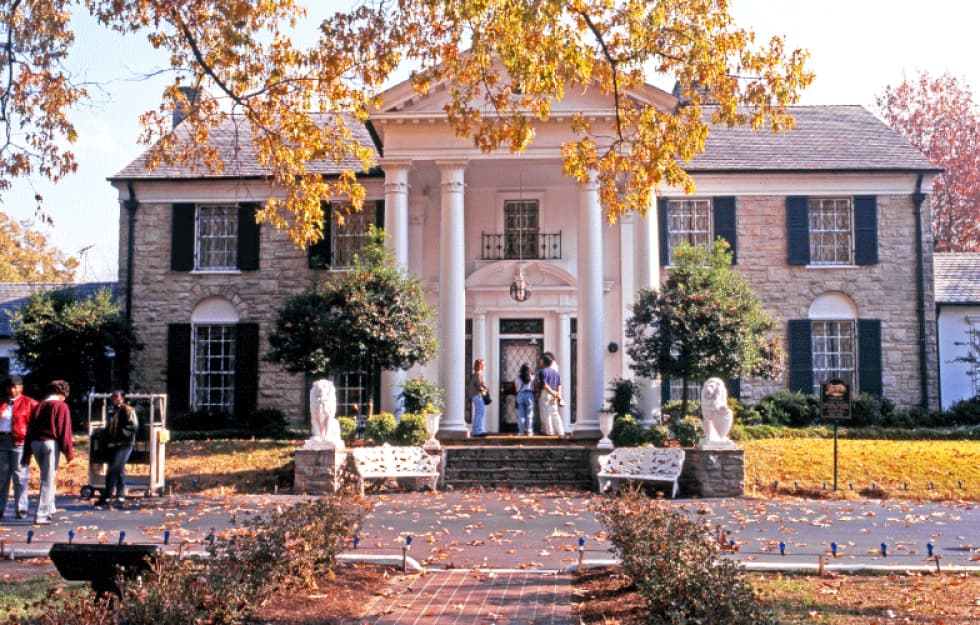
(712, 473)
(162, 297)
(886, 291)
(319, 471)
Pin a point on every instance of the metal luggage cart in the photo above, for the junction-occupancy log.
(149, 449)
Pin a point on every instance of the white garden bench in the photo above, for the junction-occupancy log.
(388, 462)
(648, 464)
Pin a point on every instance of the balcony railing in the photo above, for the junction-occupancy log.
(520, 245)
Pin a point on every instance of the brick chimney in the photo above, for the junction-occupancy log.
(182, 109)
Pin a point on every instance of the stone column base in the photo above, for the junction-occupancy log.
(713, 473)
(319, 471)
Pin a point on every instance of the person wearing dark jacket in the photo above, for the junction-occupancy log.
(48, 436)
(15, 412)
(120, 436)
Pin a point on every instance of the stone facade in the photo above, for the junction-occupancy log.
(319, 471)
(712, 473)
(885, 291)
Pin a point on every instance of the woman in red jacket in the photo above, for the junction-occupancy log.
(48, 435)
(15, 411)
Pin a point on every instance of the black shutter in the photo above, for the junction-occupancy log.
(800, 356)
(182, 238)
(318, 254)
(248, 238)
(724, 218)
(734, 387)
(866, 230)
(664, 231)
(178, 367)
(379, 213)
(869, 356)
(246, 369)
(664, 390)
(797, 231)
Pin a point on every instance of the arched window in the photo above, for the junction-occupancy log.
(214, 323)
(833, 323)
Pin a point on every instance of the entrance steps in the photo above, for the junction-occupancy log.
(540, 463)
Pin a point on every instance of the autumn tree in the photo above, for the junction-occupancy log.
(506, 63)
(27, 256)
(36, 91)
(704, 321)
(373, 317)
(939, 116)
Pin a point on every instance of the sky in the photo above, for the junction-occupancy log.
(857, 48)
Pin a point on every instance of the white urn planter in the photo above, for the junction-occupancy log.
(605, 426)
(432, 428)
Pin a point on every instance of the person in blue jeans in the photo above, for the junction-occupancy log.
(525, 401)
(477, 386)
(120, 437)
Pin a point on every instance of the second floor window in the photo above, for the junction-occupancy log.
(688, 222)
(349, 239)
(217, 237)
(521, 226)
(831, 227)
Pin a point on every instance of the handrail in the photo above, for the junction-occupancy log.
(520, 246)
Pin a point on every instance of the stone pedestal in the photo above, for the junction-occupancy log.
(318, 471)
(712, 473)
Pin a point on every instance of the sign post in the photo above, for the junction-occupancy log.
(835, 404)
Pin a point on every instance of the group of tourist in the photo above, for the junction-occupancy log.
(42, 430)
(542, 389)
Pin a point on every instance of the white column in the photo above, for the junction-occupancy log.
(396, 226)
(480, 350)
(648, 277)
(452, 302)
(565, 366)
(591, 355)
(396, 208)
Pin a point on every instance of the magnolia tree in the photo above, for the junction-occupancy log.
(60, 335)
(373, 317)
(506, 63)
(939, 116)
(704, 321)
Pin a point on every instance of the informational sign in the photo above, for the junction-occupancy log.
(835, 400)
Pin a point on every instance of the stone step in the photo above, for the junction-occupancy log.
(566, 466)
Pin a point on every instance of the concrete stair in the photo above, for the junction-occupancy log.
(554, 464)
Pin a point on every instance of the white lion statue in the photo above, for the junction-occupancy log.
(716, 415)
(325, 429)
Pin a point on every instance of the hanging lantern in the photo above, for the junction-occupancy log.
(520, 289)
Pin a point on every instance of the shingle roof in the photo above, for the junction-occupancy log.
(233, 138)
(824, 138)
(14, 295)
(957, 278)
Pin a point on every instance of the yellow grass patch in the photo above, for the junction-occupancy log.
(898, 469)
(206, 467)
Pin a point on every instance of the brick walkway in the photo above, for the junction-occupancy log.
(477, 597)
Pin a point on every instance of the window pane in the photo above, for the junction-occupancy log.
(217, 237)
(677, 389)
(521, 224)
(833, 352)
(213, 375)
(688, 221)
(830, 231)
(348, 240)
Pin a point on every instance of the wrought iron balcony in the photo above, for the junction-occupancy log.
(522, 245)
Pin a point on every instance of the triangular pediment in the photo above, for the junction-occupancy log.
(404, 100)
